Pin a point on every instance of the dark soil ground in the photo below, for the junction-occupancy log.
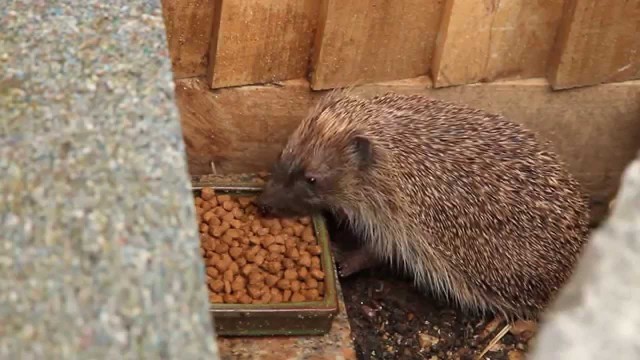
(391, 320)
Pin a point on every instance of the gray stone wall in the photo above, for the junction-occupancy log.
(597, 315)
(98, 244)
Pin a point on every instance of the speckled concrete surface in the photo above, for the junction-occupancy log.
(99, 249)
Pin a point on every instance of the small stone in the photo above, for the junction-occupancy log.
(427, 341)
(515, 355)
(524, 330)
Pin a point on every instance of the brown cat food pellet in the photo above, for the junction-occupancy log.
(298, 229)
(212, 272)
(317, 274)
(273, 267)
(223, 198)
(305, 220)
(274, 256)
(271, 279)
(283, 284)
(305, 260)
(276, 297)
(315, 262)
(314, 250)
(222, 265)
(238, 283)
(262, 231)
(234, 268)
(288, 263)
(221, 248)
(217, 285)
(290, 274)
(215, 298)
(259, 260)
(275, 248)
(230, 298)
(198, 201)
(207, 193)
(227, 287)
(199, 211)
(228, 217)
(313, 294)
(205, 207)
(288, 231)
(245, 299)
(286, 295)
(236, 224)
(307, 234)
(208, 216)
(311, 283)
(297, 297)
(228, 205)
(303, 273)
(295, 286)
(244, 201)
(293, 254)
(235, 252)
(255, 278)
(256, 292)
(265, 298)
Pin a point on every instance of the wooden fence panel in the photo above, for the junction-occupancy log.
(598, 42)
(261, 41)
(188, 24)
(363, 41)
(493, 39)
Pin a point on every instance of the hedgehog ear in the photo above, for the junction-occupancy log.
(364, 151)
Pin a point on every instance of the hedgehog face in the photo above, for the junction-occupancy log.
(318, 181)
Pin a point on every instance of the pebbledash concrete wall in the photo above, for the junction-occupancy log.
(597, 315)
(98, 244)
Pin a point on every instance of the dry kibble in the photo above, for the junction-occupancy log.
(238, 283)
(207, 193)
(303, 273)
(283, 284)
(311, 283)
(230, 298)
(235, 252)
(245, 299)
(307, 234)
(313, 294)
(290, 274)
(216, 298)
(221, 248)
(305, 260)
(255, 278)
(217, 285)
(212, 272)
(314, 250)
(271, 279)
(297, 297)
(317, 274)
(251, 259)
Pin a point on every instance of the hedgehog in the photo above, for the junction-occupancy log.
(473, 206)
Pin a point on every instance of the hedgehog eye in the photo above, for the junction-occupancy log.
(311, 180)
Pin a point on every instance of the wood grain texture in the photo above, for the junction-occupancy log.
(484, 40)
(188, 24)
(362, 41)
(261, 41)
(596, 130)
(598, 42)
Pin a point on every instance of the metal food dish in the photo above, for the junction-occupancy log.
(294, 318)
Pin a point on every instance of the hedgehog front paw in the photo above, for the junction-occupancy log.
(354, 261)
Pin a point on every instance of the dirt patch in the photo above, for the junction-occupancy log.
(391, 320)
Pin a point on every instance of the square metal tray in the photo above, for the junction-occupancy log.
(294, 318)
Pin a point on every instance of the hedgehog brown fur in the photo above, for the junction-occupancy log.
(471, 204)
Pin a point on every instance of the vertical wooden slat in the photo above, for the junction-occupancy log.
(261, 41)
(188, 25)
(598, 42)
(362, 41)
(484, 40)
